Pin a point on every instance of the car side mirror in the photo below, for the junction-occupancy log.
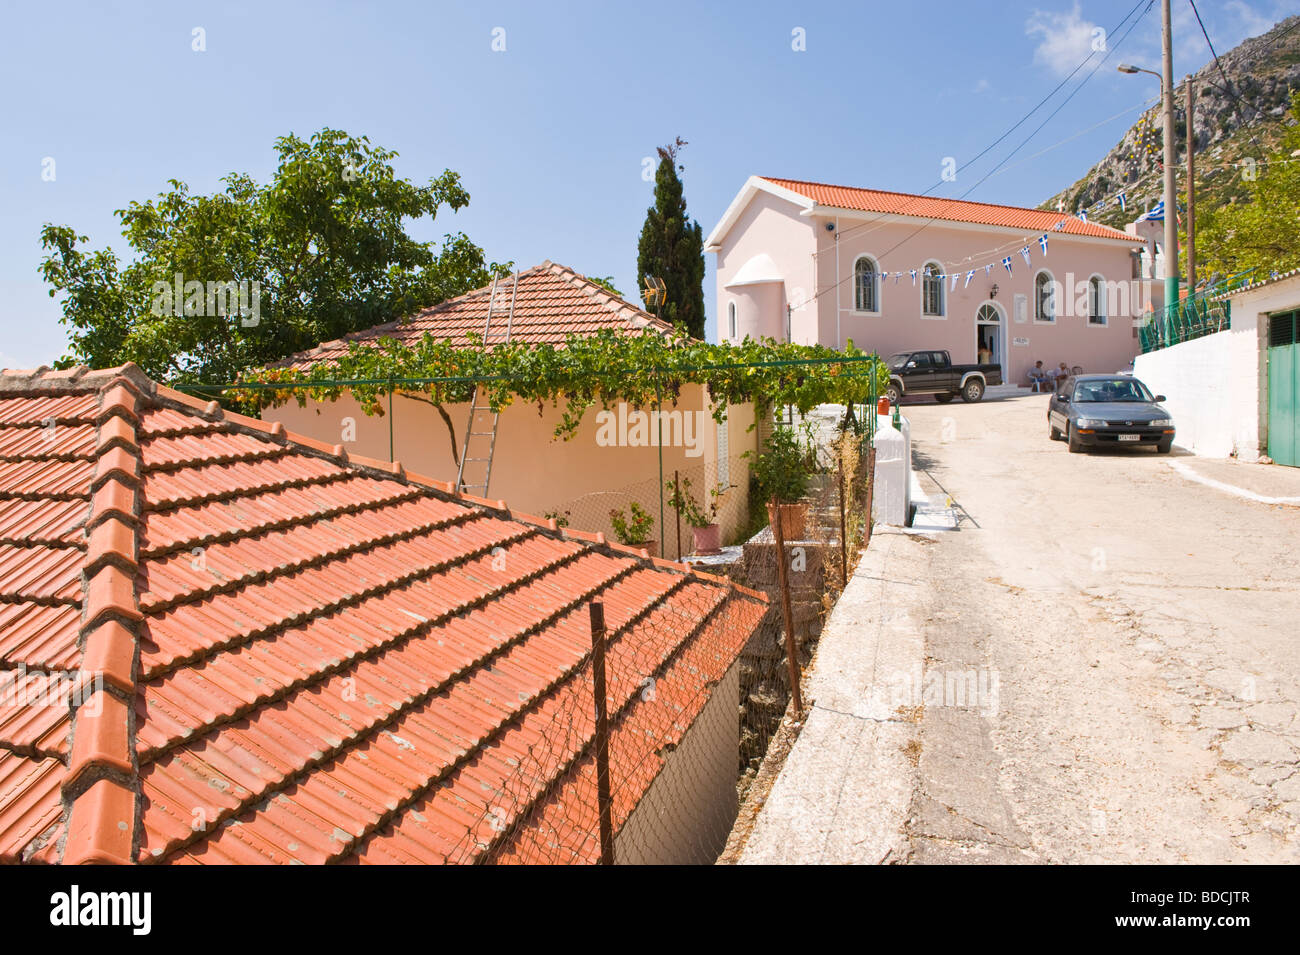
(1160, 398)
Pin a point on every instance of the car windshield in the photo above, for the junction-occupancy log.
(1111, 389)
(898, 361)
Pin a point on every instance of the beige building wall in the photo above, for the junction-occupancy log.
(535, 472)
(686, 814)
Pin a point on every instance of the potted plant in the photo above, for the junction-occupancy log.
(703, 524)
(635, 528)
(779, 471)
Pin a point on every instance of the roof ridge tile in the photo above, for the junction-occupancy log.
(101, 789)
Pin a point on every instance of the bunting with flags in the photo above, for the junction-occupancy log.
(969, 275)
(913, 276)
(1024, 254)
(1042, 241)
(955, 277)
(1007, 263)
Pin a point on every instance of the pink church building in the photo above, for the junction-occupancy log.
(815, 263)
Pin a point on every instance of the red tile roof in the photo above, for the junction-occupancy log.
(220, 642)
(552, 303)
(951, 210)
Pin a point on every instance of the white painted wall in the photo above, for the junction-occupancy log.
(1213, 389)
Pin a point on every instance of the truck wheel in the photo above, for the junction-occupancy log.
(1075, 444)
(973, 391)
(893, 394)
(944, 397)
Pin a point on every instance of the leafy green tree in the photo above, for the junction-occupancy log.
(672, 248)
(606, 282)
(1263, 233)
(319, 251)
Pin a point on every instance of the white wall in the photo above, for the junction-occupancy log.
(1212, 387)
(685, 816)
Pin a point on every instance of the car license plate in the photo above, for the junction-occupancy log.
(1130, 437)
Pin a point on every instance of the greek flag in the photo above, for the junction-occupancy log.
(1123, 202)
(1007, 263)
(913, 276)
(1083, 214)
(969, 275)
(1042, 240)
(955, 277)
(987, 269)
(1024, 254)
(1155, 214)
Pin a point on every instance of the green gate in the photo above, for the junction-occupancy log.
(1284, 388)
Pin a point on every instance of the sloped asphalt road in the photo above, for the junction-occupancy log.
(1132, 641)
(1102, 664)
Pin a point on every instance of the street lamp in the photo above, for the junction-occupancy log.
(1130, 68)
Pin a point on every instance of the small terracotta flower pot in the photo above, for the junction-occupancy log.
(708, 539)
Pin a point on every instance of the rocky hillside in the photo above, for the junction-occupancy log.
(1228, 129)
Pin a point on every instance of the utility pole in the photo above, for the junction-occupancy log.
(1191, 189)
(1171, 158)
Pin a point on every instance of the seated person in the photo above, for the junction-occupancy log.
(1039, 375)
(1061, 372)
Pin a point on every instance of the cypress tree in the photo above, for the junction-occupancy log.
(672, 248)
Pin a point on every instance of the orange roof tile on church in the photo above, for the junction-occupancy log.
(949, 210)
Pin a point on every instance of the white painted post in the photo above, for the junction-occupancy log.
(891, 490)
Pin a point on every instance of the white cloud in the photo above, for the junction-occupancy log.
(1065, 39)
(1227, 24)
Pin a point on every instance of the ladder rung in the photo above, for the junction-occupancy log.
(478, 459)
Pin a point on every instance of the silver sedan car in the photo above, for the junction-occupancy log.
(1108, 411)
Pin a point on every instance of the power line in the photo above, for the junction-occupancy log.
(1020, 122)
(1222, 72)
(925, 225)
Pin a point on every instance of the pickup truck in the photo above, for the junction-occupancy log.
(933, 373)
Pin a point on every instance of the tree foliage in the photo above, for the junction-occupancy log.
(325, 240)
(1264, 233)
(671, 248)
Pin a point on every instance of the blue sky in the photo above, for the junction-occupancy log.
(549, 135)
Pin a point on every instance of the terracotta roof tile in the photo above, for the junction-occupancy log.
(553, 302)
(951, 210)
(304, 659)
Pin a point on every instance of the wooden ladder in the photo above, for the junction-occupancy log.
(478, 412)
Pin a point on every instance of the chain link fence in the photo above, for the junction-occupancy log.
(643, 750)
